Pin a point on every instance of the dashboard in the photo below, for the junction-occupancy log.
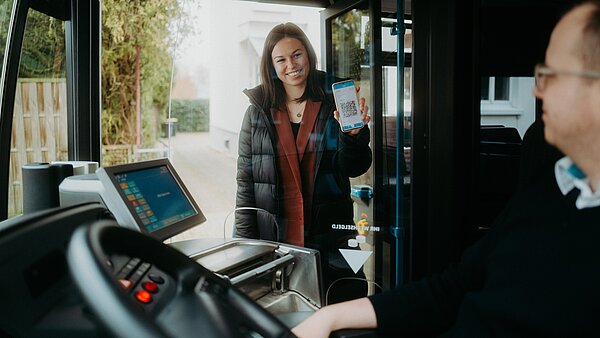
(38, 296)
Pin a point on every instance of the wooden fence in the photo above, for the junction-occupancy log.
(39, 134)
(39, 131)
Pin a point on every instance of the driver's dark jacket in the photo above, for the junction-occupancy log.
(535, 274)
(338, 156)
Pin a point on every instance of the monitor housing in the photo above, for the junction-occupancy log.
(150, 197)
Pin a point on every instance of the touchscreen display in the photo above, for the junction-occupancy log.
(155, 197)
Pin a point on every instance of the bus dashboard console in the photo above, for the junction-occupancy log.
(38, 297)
(148, 196)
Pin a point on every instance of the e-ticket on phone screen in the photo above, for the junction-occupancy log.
(346, 101)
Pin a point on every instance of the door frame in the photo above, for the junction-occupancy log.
(83, 48)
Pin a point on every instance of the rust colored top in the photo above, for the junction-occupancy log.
(296, 161)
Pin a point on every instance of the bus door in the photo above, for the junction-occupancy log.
(361, 42)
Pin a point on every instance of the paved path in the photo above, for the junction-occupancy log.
(209, 175)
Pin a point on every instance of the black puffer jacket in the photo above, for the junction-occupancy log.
(338, 157)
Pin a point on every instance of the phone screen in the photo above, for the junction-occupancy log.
(347, 105)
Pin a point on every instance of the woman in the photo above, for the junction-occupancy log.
(294, 161)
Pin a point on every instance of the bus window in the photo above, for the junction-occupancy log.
(40, 110)
(507, 101)
(507, 110)
(190, 70)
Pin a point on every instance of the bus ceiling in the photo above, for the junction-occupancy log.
(386, 5)
(306, 3)
(60, 9)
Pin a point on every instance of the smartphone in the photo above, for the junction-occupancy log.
(346, 102)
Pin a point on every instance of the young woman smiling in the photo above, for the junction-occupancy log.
(294, 161)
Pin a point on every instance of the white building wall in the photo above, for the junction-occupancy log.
(518, 112)
(237, 30)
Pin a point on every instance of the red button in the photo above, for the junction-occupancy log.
(150, 287)
(143, 296)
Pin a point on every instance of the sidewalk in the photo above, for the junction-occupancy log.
(209, 175)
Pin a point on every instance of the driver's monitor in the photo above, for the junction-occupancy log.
(150, 197)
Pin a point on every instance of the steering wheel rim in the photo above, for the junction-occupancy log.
(198, 289)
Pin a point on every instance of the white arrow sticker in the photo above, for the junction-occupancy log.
(355, 258)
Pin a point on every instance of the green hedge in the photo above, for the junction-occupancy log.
(191, 115)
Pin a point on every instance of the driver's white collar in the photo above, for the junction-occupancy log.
(569, 176)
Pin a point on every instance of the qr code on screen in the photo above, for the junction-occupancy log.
(348, 109)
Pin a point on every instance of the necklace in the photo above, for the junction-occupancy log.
(300, 112)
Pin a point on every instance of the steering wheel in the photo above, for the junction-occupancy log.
(192, 301)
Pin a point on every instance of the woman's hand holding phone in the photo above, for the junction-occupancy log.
(364, 109)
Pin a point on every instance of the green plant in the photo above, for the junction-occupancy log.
(191, 115)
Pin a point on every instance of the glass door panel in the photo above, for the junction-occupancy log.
(349, 57)
(368, 53)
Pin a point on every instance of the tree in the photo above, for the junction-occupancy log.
(346, 41)
(134, 34)
(43, 51)
(5, 9)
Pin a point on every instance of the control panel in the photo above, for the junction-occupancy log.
(144, 283)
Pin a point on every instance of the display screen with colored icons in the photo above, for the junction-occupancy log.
(155, 197)
(151, 197)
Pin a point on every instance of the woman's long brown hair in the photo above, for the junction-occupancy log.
(275, 96)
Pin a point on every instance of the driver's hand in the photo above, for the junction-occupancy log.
(318, 325)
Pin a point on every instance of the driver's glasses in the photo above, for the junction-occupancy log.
(543, 72)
